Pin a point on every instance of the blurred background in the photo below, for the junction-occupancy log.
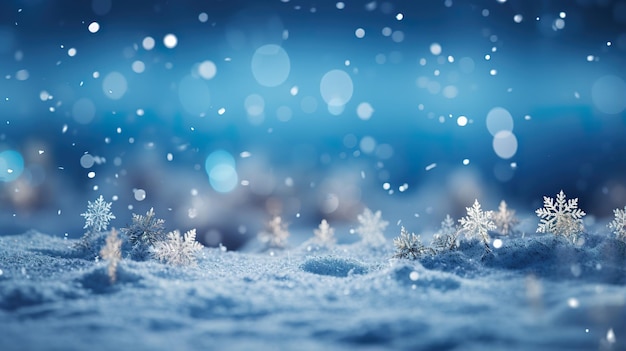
(221, 114)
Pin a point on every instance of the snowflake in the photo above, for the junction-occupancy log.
(477, 224)
(410, 246)
(618, 224)
(371, 227)
(560, 218)
(276, 233)
(98, 215)
(446, 238)
(178, 250)
(504, 219)
(112, 252)
(325, 234)
(143, 233)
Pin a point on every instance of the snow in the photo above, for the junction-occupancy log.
(348, 297)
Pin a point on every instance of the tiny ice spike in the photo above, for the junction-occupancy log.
(560, 218)
(504, 219)
(371, 227)
(178, 250)
(112, 252)
(325, 234)
(98, 215)
(477, 224)
(276, 233)
(618, 224)
(410, 246)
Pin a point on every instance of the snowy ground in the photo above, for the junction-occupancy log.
(538, 292)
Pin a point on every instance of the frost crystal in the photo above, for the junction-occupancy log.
(143, 233)
(410, 246)
(504, 219)
(98, 215)
(178, 250)
(112, 252)
(618, 224)
(447, 237)
(560, 218)
(371, 227)
(276, 233)
(477, 224)
(325, 234)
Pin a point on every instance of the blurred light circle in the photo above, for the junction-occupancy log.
(435, 49)
(336, 87)
(270, 65)
(365, 111)
(83, 111)
(207, 69)
(114, 85)
(148, 43)
(94, 27)
(11, 165)
(608, 94)
(499, 119)
(87, 161)
(170, 41)
(194, 95)
(505, 144)
(220, 167)
(367, 145)
(308, 104)
(139, 194)
(138, 66)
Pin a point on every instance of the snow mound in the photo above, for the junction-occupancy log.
(333, 266)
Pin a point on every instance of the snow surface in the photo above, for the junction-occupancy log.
(539, 292)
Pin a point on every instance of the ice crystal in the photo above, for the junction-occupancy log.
(371, 227)
(446, 238)
(143, 233)
(560, 218)
(504, 219)
(410, 246)
(276, 233)
(178, 250)
(324, 234)
(112, 253)
(477, 224)
(98, 215)
(618, 224)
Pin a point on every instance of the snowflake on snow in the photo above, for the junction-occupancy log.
(618, 224)
(477, 224)
(447, 237)
(504, 219)
(371, 227)
(98, 215)
(112, 253)
(178, 250)
(410, 246)
(143, 233)
(560, 218)
(276, 233)
(324, 234)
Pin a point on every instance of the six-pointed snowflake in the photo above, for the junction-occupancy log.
(98, 215)
(178, 250)
(560, 218)
(371, 227)
(143, 233)
(410, 246)
(477, 224)
(618, 224)
(276, 233)
(324, 234)
(504, 219)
